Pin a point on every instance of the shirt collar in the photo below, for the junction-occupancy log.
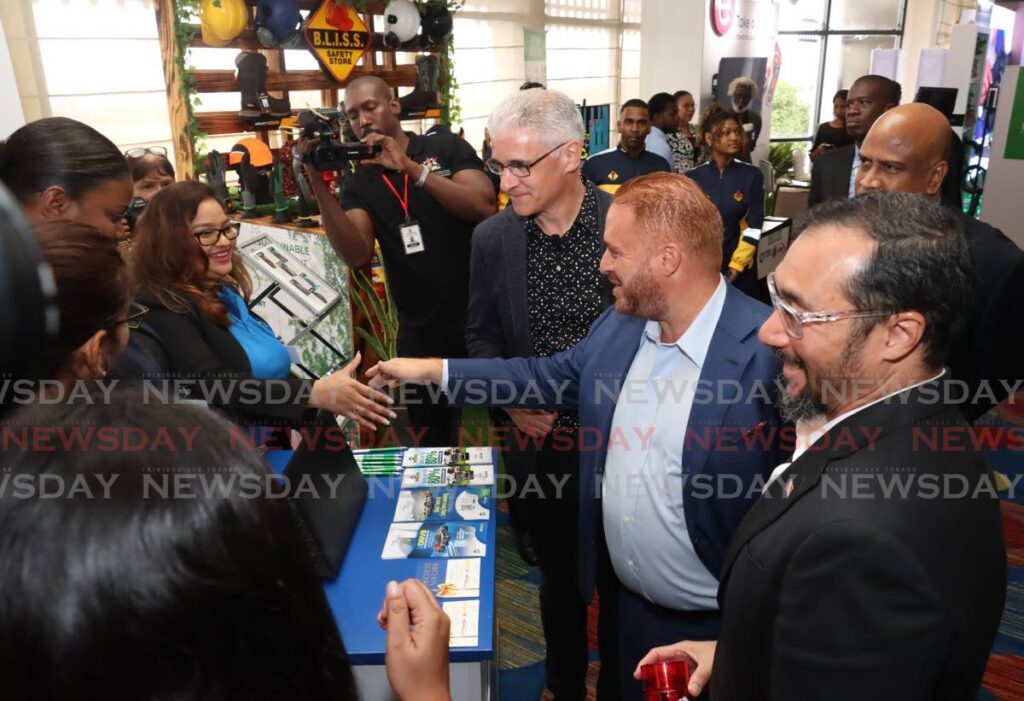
(658, 133)
(856, 156)
(696, 340)
(588, 206)
(807, 433)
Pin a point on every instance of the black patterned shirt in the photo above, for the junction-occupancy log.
(564, 288)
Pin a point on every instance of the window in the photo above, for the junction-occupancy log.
(837, 36)
(592, 52)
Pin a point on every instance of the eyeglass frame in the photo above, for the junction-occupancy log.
(140, 151)
(133, 318)
(527, 166)
(222, 231)
(785, 309)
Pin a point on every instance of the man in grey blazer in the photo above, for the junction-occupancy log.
(535, 289)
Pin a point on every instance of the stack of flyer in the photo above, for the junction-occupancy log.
(442, 516)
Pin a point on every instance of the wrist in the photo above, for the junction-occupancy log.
(411, 168)
(314, 394)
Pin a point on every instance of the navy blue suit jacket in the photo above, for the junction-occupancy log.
(737, 437)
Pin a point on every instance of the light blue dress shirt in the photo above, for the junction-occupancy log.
(853, 171)
(268, 357)
(657, 142)
(642, 488)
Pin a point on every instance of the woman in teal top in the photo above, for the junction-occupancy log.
(268, 357)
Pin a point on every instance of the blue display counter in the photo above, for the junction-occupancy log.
(357, 594)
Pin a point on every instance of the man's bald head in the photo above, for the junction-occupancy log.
(371, 106)
(905, 151)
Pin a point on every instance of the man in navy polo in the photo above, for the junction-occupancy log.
(610, 169)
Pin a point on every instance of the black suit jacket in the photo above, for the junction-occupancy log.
(830, 177)
(989, 353)
(499, 319)
(829, 596)
(209, 363)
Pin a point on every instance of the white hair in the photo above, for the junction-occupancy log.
(549, 113)
(743, 80)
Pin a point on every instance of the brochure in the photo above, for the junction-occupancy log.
(442, 457)
(448, 539)
(452, 476)
(465, 503)
(451, 579)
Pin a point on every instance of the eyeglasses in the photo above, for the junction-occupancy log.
(151, 150)
(793, 321)
(133, 319)
(211, 236)
(520, 170)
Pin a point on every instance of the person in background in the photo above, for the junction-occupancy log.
(686, 151)
(742, 92)
(124, 592)
(93, 301)
(664, 113)
(610, 169)
(58, 168)
(196, 288)
(832, 134)
(834, 173)
(906, 151)
(419, 200)
(535, 289)
(737, 189)
(151, 171)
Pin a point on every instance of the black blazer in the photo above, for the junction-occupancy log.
(212, 362)
(830, 176)
(866, 596)
(499, 319)
(991, 347)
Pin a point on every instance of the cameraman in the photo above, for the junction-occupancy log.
(420, 198)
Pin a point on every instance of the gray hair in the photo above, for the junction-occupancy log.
(744, 80)
(550, 113)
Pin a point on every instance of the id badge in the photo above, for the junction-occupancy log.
(412, 239)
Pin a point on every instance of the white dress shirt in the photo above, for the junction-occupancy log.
(657, 142)
(642, 487)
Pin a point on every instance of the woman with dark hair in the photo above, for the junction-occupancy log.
(58, 168)
(151, 170)
(93, 300)
(737, 190)
(686, 152)
(197, 289)
(832, 134)
(127, 589)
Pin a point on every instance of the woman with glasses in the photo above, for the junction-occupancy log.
(737, 190)
(197, 289)
(151, 171)
(93, 301)
(60, 169)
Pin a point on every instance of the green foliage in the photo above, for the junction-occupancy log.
(186, 22)
(780, 155)
(382, 315)
(791, 116)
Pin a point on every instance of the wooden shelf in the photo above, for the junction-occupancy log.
(247, 41)
(225, 81)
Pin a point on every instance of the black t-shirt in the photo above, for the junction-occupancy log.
(431, 288)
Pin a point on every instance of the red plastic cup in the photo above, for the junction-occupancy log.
(665, 681)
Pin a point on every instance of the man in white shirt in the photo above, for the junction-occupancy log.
(664, 113)
(873, 567)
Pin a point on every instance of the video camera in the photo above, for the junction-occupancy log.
(331, 153)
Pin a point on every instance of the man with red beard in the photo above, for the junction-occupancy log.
(674, 372)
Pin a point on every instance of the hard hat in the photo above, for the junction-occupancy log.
(222, 20)
(402, 22)
(260, 155)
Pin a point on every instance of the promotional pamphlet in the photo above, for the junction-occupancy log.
(447, 539)
(463, 503)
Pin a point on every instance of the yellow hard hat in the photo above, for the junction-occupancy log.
(222, 20)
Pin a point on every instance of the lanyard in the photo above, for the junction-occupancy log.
(404, 199)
